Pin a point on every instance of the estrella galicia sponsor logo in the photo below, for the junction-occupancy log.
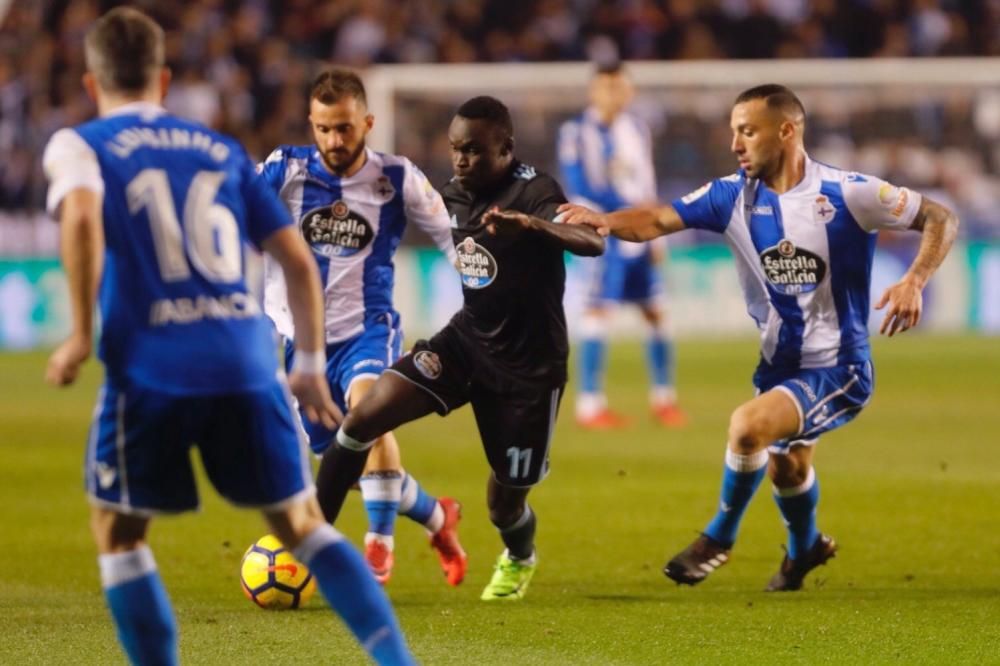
(336, 230)
(475, 263)
(790, 269)
(428, 364)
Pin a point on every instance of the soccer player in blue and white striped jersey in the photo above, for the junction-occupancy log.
(156, 213)
(803, 235)
(605, 155)
(352, 205)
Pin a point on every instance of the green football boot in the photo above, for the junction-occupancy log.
(510, 579)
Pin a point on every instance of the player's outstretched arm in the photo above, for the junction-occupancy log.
(82, 250)
(939, 227)
(580, 240)
(631, 224)
(305, 300)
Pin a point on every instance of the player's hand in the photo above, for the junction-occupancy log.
(905, 301)
(569, 213)
(64, 364)
(505, 221)
(313, 394)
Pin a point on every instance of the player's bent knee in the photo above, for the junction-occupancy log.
(360, 424)
(746, 432)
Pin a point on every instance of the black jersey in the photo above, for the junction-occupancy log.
(513, 286)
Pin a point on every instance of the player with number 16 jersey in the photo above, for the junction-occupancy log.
(155, 213)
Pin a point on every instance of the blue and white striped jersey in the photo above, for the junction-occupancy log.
(353, 226)
(804, 258)
(607, 168)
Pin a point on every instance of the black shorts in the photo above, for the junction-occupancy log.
(516, 419)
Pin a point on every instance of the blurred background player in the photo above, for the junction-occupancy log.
(504, 352)
(606, 159)
(803, 234)
(155, 212)
(352, 205)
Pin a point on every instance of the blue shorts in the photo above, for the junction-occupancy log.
(139, 449)
(367, 354)
(826, 398)
(624, 280)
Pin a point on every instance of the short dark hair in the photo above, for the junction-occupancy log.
(124, 50)
(776, 96)
(609, 67)
(491, 110)
(332, 85)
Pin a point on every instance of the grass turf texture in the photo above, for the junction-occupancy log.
(910, 490)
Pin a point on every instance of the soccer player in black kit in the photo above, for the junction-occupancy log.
(505, 351)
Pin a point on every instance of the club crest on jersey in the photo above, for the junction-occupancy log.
(384, 189)
(475, 263)
(823, 210)
(336, 230)
(790, 269)
(428, 364)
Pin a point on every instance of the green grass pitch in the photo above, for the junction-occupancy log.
(911, 490)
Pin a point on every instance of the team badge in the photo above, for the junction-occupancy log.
(384, 188)
(428, 364)
(823, 210)
(476, 265)
(336, 230)
(792, 270)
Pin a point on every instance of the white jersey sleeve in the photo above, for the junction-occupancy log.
(69, 163)
(425, 207)
(876, 204)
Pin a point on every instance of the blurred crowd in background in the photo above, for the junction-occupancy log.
(243, 66)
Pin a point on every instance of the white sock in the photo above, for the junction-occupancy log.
(660, 396)
(119, 568)
(436, 521)
(589, 404)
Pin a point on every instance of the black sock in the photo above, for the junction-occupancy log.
(520, 537)
(339, 470)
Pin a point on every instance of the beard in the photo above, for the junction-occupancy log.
(345, 164)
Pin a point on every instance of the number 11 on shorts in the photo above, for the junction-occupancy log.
(520, 462)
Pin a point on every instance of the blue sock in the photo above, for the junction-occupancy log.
(416, 504)
(139, 606)
(798, 507)
(592, 356)
(349, 587)
(660, 356)
(381, 492)
(740, 478)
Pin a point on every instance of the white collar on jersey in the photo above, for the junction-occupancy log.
(140, 108)
(590, 113)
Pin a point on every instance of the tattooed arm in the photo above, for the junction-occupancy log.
(939, 227)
